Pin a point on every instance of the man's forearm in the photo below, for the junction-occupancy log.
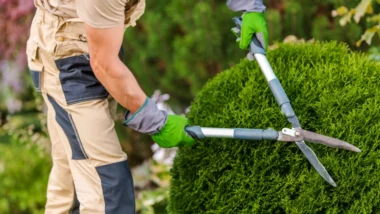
(104, 45)
(246, 5)
(120, 83)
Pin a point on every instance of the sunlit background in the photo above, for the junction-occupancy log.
(175, 48)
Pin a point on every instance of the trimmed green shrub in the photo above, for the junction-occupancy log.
(334, 92)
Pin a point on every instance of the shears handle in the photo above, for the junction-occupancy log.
(255, 47)
(198, 132)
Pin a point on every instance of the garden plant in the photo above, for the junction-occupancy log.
(333, 91)
(368, 8)
(176, 47)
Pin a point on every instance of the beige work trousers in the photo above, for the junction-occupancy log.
(90, 173)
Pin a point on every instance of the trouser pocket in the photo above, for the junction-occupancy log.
(34, 63)
(36, 77)
(76, 76)
(70, 39)
(78, 81)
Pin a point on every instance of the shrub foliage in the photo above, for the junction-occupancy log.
(24, 172)
(333, 91)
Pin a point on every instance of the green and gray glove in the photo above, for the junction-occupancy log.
(253, 21)
(173, 133)
(253, 24)
(166, 130)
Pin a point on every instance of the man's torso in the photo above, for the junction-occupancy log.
(67, 9)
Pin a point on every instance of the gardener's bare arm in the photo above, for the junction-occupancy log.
(104, 23)
(104, 45)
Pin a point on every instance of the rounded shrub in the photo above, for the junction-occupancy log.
(334, 92)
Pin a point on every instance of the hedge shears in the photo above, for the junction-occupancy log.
(295, 134)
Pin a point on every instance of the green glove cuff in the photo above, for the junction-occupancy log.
(173, 133)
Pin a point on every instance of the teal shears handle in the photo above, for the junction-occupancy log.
(198, 132)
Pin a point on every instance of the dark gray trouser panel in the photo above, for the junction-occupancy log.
(148, 119)
(63, 118)
(76, 205)
(117, 185)
(36, 77)
(78, 81)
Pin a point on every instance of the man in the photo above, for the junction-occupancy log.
(74, 60)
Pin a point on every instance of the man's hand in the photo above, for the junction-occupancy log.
(253, 23)
(173, 133)
(166, 130)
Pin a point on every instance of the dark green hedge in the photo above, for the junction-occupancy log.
(334, 92)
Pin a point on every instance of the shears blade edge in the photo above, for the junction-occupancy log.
(313, 159)
(326, 140)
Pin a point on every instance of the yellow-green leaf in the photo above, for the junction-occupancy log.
(347, 18)
(369, 9)
(358, 43)
(340, 11)
(361, 9)
(374, 18)
(368, 35)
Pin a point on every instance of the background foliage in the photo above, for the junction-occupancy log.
(332, 95)
(365, 8)
(179, 45)
(176, 47)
